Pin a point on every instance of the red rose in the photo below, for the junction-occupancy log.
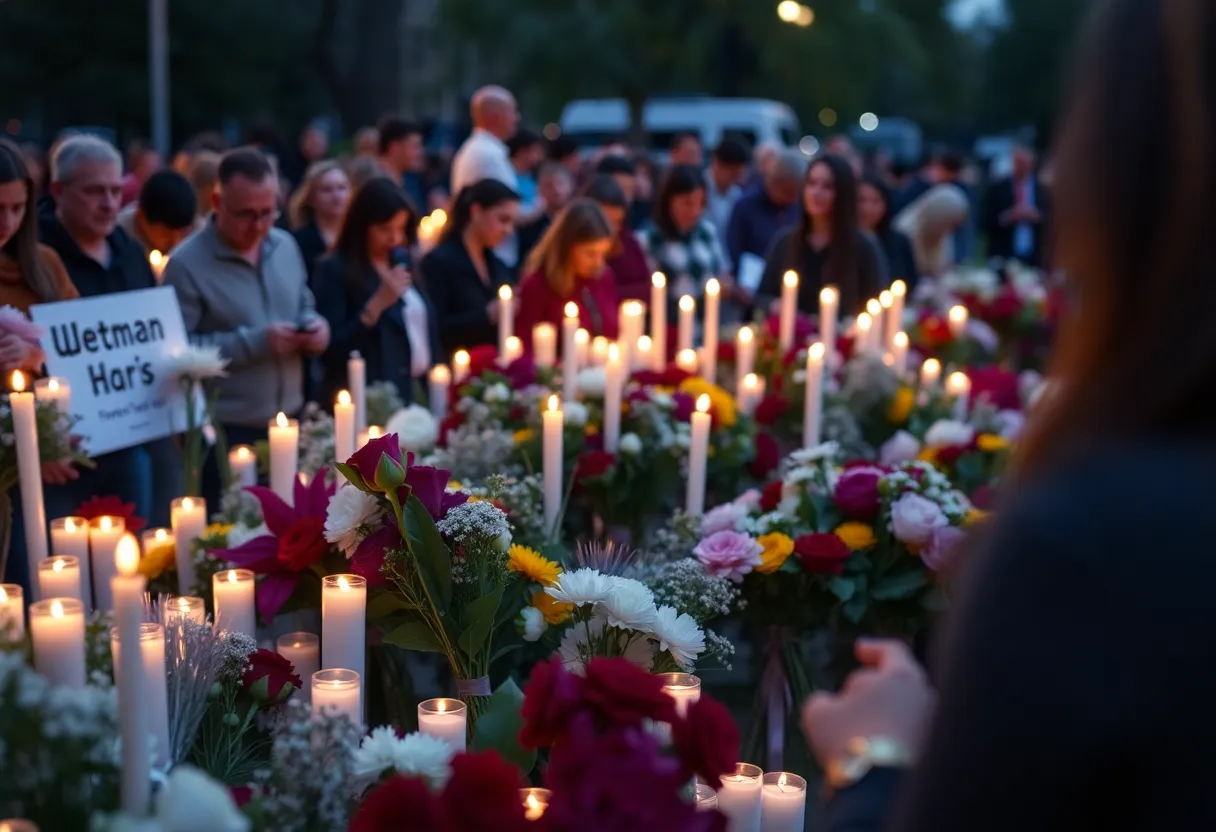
(822, 553)
(766, 458)
(269, 678)
(592, 464)
(727, 352)
(621, 694)
(950, 454)
(671, 377)
(482, 794)
(399, 803)
(552, 697)
(481, 359)
(856, 493)
(303, 544)
(240, 794)
(707, 740)
(95, 507)
(935, 329)
(770, 497)
(999, 387)
(771, 408)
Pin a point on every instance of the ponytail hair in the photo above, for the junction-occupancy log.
(485, 194)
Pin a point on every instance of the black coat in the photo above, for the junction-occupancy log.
(901, 260)
(869, 280)
(1001, 198)
(459, 295)
(385, 347)
(128, 268)
(312, 246)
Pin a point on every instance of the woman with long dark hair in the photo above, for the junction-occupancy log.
(365, 291)
(1078, 667)
(874, 213)
(462, 274)
(826, 247)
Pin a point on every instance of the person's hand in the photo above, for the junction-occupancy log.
(59, 473)
(283, 338)
(315, 339)
(888, 697)
(393, 284)
(16, 353)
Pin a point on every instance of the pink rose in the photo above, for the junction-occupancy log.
(723, 518)
(14, 322)
(945, 543)
(728, 554)
(913, 519)
(856, 492)
(749, 499)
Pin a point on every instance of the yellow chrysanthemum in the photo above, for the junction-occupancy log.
(530, 564)
(975, 515)
(990, 443)
(722, 403)
(555, 612)
(857, 536)
(777, 549)
(901, 406)
(217, 530)
(158, 559)
(523, 435)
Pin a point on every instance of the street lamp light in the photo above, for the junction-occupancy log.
(805, 16)
(788, 10)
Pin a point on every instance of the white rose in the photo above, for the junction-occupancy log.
(663, 400)
(947, 432)
(575, 413)
(630, 443)
(913, 519)
(497, 392)
(902, 447)
(592, 381)
(193, 802)
(417, 430)
(532, 623)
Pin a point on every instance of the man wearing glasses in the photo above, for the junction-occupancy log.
(243, 288)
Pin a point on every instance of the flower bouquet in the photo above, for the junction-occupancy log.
(192, 369)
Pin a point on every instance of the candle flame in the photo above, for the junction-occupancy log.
(69, 525)
(599, 345)
(56, 609)
(864, 322)
(644, 343)
(18, 381)
(687, 304)
(424, 225)
(343, 397)
(932, 366)
(658, 280)
(343, 584)
(504, 292)
(816, 351)
(187, 505)
(3, 595)
(958, 314)
(790, 279)
(441, 705)
(183, 604)
(302, 477)
(242, 453)
(633, 309)
(746, 335)
(126, 555)
(232, 577)
(161, 534)
(554, 404)
(281, 419)
(958, 383)
(106, 523)
(374, 432)
(827, 296)
(901, 340)
(439, 217)
(874, 308)
(899, 288)
(461, 357)
(781, 781)
(532, 804)
(614, 352)
(582, 336)
(703, 403)
(751, 380)
(53, 385)
(58, 565)
(713, 287)
(571, 310)
(155, 258)
(514, 344)
(886, 299)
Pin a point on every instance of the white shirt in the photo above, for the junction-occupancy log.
(413, 309)
(482, 156)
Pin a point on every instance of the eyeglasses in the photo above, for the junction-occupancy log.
(269, 215)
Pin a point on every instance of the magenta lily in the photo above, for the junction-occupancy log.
(296, 543)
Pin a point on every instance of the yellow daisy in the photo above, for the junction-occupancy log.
(901, 406)
(777, 549)
(857, 536)
(555, 612)
(990, 443)
(530, 564)
(158, 559)
(217, 530)
(523, 435)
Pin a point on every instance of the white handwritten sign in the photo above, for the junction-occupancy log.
(114, 350)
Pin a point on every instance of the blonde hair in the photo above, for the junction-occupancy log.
(300, 209)
(929, 222)
(582, 221)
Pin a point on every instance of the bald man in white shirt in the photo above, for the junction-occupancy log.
(484, 154)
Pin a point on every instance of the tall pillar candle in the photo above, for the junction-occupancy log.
(899, 353)
(632, 324)
(599, 351)
(829, 313)
(782, 802)
(154, 684)
(70, 536)
(686, 360)
(462, 364)
(57, 391)
(930, 373)
(344, 623)
(12, 613)
(861, 337)
(582, 348)
(644, 353)
(506, 320)
(614, 383)
(877, 344)
(958, 388)
(698, 455)
(956, 319)
(338, 692)
(29, 472)
(59, 577)
(709, 332)
(788, 312)
(188, 516)
(232, 592)
(899, 291)
(134, 700)
(303, 650)
(745, 351)
(445, 719)
(552, 463)
(57, 634)
(750, 393)
(356, 382)
(684, 327)
(813, 405)
(544, 344)
(570, 364)
(740, 798)
(243, 465)
(439, 383)
(344, 426)
(284, 456)
(105, 533)
(890, 325)
(658, 321)
(513, 352)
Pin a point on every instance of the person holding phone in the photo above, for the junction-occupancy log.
(367, 294)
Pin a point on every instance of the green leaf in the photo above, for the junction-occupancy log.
(505, 650)
(479, 623)
(353, 477)
(855, 610)
(385, 604)
(842, 588)
(414, 635)
(499, 725)
(899, 587)
(430, 553)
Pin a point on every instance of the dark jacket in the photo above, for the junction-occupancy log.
(529, 236)
(312, 246)
(754, 222)
(1001, 197)
(459, 295)
(1078, 667)
(385, 347)
(900, 259)
(128, 268)
(871, 277)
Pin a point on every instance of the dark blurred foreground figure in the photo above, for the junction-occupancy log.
(1075, 690)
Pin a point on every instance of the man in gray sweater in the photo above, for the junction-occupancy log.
(243, 287)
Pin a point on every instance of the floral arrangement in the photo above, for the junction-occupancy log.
(192, 369)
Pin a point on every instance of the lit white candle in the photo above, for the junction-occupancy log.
(152, 680)
(461, 363)
(343, 623)
(698, 454)
(338, 692)
(284, 456)
(783, 802)
(426, 233)
(688, 309)
(70, 536)
(553, 423)
(303, 650)
(59, 577)
(613, 386)
(683, 688)
(445, 719)
(958, 388)
(599, 351)
(890, 324)
(788, 312)
(57, 633)
(157, 262)
(709, 332)
(187, 608)
(12, 613)
(544, 344)
(899, 291)
(861, 340)
(739, 798)
(29, 471)
(189, 519)
(243, 465)
(644, 353)
(344, 426)
(356, 382)
(874, 308)
(956, 319)
(570, 365)
(829, 313)
(632, 323)
(506, 320)
(899, 353)
(134, 699)
(930, 373)
(745, 351)
(232, 592)
(686, 360)
(439, 382)
(751, 392)
(365, 436)
(57, 391)
(582, 348)
(535, 800)
(105, 533)
(658, 321)
(813, 405)
(514, 350)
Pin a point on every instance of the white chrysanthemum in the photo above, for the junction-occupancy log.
(592, 382)
(575, 649)
(424, 756)
(497, 392)
(678, 633)
(630, 443)
(191, 800)
(347, 516)
(805, 456)
(581, 587)
(628, 605)
(945, 433)
(533, 624)
(416, 428)
(198, 364)
(575, 413)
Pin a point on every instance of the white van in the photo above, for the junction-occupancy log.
(594, 123)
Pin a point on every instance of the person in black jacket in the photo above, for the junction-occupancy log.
(874, 212)
(462, 274)
(1016, 213)
(365, 291)
(1078, 668)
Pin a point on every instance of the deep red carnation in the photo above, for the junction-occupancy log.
(620, 694)
(950, 454)
(770, 497)
(303, 544)
(856, 493)
(483, 794)
(399, 803)
(95, 507)
(770, 409)
(766, 458)
(552, 697)
(269, 678)
(592, 464)
(707, 740)
(521, 372)
(822, 553)
(240, 794)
